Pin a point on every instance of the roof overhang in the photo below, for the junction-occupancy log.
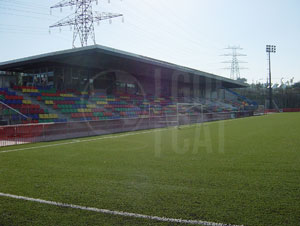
(89, 56)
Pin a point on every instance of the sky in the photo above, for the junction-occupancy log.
(192, 33)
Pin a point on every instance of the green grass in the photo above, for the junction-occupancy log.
(253, 181)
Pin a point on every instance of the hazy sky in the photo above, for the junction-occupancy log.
(192, 33)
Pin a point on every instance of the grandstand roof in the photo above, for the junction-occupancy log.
(98, 57)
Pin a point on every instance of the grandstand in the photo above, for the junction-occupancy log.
(95, 90)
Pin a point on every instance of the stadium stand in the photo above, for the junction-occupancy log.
(70, 97)
(79, 106)
(104, 113)
(18, 109)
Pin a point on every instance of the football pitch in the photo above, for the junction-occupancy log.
(235, 172)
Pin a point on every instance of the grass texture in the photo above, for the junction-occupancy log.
(243, 171)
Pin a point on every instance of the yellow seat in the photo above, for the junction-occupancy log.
(53, 116)
(26, 102)
(101, 102)
(91, 106)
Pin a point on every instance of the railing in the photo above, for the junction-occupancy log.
(31, 133)
(271, 111)
(9, 115)
(291, 109)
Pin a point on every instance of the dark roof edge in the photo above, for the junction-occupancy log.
(130, 55)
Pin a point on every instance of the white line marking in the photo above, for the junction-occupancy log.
(80, 141)
(120, 213)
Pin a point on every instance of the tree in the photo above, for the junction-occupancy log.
(296, 85)
(286, 95)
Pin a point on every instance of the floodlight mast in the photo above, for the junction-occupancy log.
(82, 20)
(270, 49)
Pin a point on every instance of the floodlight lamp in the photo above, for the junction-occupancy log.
(271, 49)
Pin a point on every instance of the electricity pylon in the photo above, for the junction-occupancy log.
(235, 63)
(82, 20)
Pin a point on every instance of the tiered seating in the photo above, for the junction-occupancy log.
(237, 104)
(79, 106)
(99, 107)
(102, 107)
(47, 94)
(33, 111)
(162, 106)
(215, 105)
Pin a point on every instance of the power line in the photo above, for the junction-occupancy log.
(26, 11)
(176, 24)
(190, 46)
(140, 25)
(13, 25)
(25, 4)
(27, 16)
